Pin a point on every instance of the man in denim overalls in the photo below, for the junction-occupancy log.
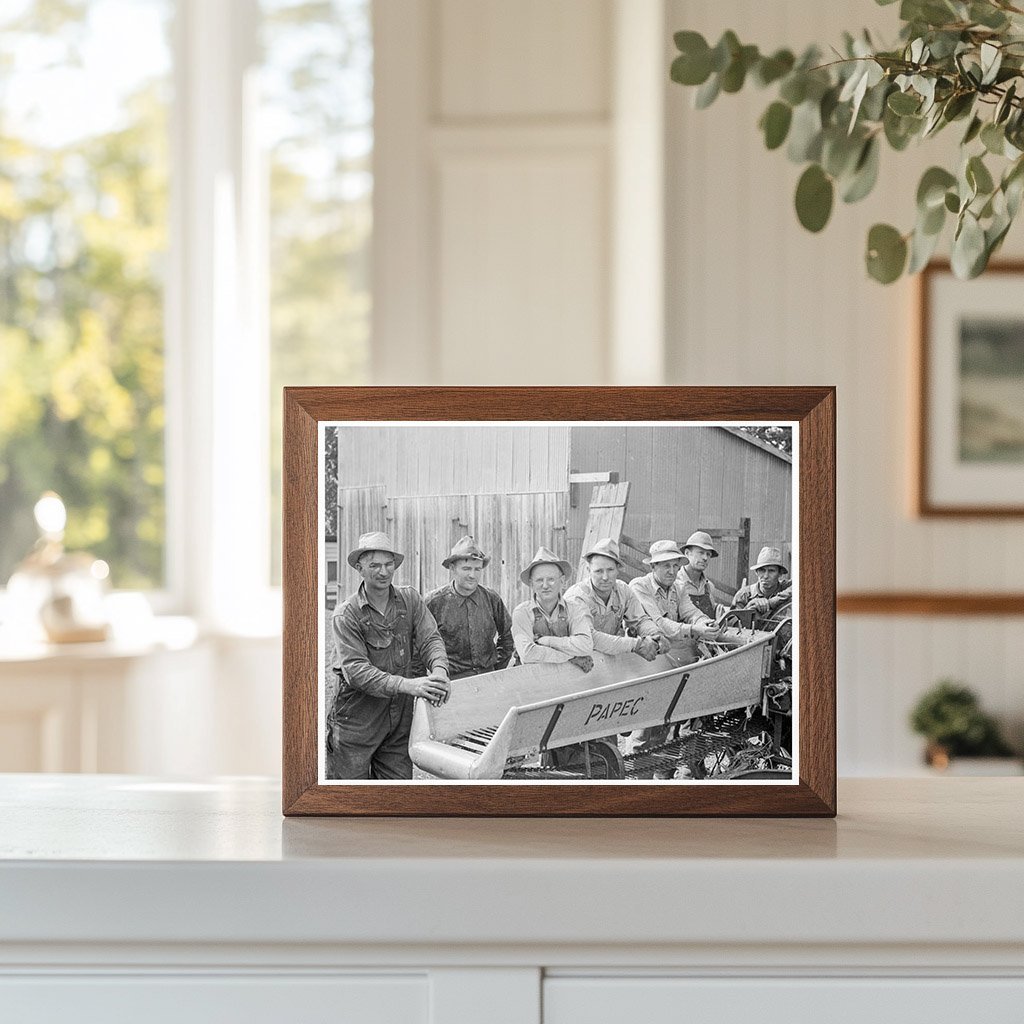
(377, 632)
(547, 628)
(621, 624)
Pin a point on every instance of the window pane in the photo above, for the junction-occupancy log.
(84, 98)
(318, 130)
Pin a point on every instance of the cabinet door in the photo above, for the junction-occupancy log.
(569, 1000)
(202, 999)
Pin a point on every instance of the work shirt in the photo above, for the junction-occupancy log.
(569, 623)
(781, 595)
(476, 630)
(671, 611)
(374, 652)
(701, 593)
(611, 619)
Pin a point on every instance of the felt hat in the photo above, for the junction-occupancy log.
(465, 547)
(545, 556)
(769, 556)
(700, 539)
(663, 551)
(608, 548)
(373, 542)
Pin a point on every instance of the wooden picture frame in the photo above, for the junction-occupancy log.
(963, 423)
(811, 410)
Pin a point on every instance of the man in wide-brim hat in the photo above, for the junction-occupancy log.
(378, 632)
(674, 615)
(473, 620)
(772, 590)
(697, 553)
(621, 625)
(547, 628)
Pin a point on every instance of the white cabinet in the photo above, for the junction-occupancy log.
(823, 1000)
(239, 999)
(131, 898)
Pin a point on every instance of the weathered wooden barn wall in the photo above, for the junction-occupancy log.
(509, 527)
(481, 459)
(427, 486)
(689, 479)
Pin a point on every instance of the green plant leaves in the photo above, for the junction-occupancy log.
(887, 253)
(693, 65)
(865, 173)
(968, 248)
(775, 123)
(957, 60)
(814, 194)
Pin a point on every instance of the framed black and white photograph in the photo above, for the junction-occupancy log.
(970, 451)
(602, 611)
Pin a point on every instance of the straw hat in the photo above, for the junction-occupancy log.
(769, 556)
(700, 539)
(373, 542)
(608, 548)
(465, 547)
(663, 551)
(545, 556)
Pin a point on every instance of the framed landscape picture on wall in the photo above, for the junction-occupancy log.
(970, 444)
(564, 601)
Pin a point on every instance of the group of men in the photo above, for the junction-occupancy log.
(390, 644)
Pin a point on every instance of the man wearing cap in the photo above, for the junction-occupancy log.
(613, 607)
(473, 621)
(698, 552)
(674, 615)
(547, 627)
(377, 632)
(772, 590)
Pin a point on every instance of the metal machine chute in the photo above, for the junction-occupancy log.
(523, 712)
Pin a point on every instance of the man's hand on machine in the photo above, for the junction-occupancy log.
(706, 630)
(583, 662)
(647, 647)
(434, 688)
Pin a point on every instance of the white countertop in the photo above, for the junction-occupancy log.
(123, 859)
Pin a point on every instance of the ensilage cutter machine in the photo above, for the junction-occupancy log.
(553, 721)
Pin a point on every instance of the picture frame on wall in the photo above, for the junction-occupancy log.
(969, 448)
(559, 601)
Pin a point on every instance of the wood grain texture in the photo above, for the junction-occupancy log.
(812, 407)
(949, 604)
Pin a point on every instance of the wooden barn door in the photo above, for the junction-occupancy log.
(509, 527)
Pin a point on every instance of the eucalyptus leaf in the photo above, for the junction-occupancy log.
(775, 123)
(725, 50)
(903, 103)
(886, 253)
(931, 190)
(707, 93)
(987, 15)
(978, 175)
(991, 58)
(922, 248)
(805, 133)
(794, 88)
(1004, 106)
(972, 131)
(771, 69)
(968, 247)
(952, 202)
(865, 174)
(814, 194)
(993, 138)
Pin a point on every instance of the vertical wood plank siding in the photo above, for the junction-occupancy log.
(681, 481)
(484, 459)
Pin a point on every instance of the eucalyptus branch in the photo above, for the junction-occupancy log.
(833, 117)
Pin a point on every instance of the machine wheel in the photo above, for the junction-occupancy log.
(605, 760)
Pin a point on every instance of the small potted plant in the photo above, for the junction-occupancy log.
(950, 717)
